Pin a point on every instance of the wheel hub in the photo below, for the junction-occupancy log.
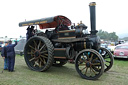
(37, 53)
(88, 64)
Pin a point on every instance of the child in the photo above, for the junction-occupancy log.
(4, 55)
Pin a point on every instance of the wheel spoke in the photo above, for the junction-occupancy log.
(83, 68)
(91, 58)
(40, 64)
(90, 72)
(44, 61)
(39, 44)
(106, 65)
(43, 56)
(41, 59)
(31, 47)
(95, 64)
(94, 60)
(108, 61)
(82, 64)
(42, 47)
(35, 43)
(93, 70)
(32, 59)
(44, 52)
(106, 57)
(86, 70)
(36, 63)
(87, 56)
(30, 53)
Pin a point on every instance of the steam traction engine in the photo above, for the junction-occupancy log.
(56, 47)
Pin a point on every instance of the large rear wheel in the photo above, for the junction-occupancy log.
(85, 62)
(38, 53)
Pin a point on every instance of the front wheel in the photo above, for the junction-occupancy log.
(85, 62)
(108, 58)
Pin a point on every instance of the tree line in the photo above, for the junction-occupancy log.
(107, 36)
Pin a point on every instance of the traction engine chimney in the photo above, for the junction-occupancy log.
(93, 18)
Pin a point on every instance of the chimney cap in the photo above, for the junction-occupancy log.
(92, 3)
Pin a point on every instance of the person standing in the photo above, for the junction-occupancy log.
(11, 55)
(30, 32)
(4, 55)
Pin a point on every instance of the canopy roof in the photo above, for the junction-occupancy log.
(50, 22)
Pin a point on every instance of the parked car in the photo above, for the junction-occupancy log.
(105, 46)
(112, 48)
(121, 51)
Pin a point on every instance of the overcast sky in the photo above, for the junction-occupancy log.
(111, 15)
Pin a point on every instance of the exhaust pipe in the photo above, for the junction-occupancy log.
(93, 18)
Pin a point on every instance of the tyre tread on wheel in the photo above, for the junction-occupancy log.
(38, 53)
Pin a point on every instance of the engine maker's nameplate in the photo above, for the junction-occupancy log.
(67, 34)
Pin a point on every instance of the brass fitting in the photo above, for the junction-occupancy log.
(92, 4)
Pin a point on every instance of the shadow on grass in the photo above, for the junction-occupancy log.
(123, 59)
(66, 70)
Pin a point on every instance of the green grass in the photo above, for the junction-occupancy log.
(65, 75)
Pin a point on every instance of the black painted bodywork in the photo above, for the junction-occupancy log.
(65, 40)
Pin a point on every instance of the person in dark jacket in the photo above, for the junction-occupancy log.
(4, 55)
(30, 32)
(11, 55)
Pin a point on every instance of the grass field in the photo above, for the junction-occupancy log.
(65, 75)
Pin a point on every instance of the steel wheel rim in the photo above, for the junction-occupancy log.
(85, 63)
(108, 58)
(36, 54)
